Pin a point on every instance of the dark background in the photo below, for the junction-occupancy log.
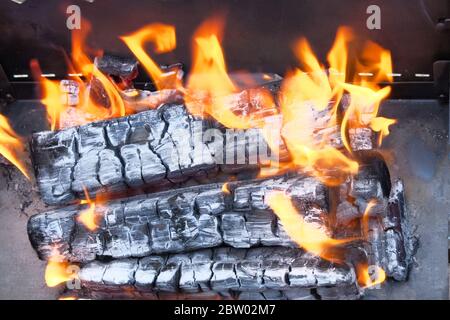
(258, 33)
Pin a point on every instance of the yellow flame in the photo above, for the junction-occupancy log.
(313, 82)
(370, 277)
(68, 298)
(306, 235)
(209, 85)
(381, 125)
(11, 146)
(56, 270)
(164, 39)
(225, 188)
(51, 95)
(88, 217)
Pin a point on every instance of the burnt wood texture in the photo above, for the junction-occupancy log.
(172, 245)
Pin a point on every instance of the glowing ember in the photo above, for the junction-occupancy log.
(11, 147)
(306, 235)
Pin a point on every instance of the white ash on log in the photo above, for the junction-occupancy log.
(267, 273)
(401, 243)
(389, 241)
(178, 220)
(362, 139)
(151, 148)
(360, 136)
(147, 239)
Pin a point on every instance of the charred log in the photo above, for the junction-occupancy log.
(177, 221)
(264, 273)
(146, 149)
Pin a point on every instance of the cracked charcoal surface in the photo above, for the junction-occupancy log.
(178, 220)
(203, 217)
(150, 148)
(259, 273)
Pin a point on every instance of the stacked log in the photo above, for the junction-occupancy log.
(204, 242)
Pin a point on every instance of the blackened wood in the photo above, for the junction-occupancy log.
(401, 243)
(123, 67)
(178, 220)
(150, 148)
(277, 273)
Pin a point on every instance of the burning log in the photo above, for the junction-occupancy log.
(147, 238)
(401, 244)
(120, 70)
(176, 221)
(264, 273)
(146, 149)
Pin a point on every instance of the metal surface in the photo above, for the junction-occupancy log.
(417, 152)
(258, 35)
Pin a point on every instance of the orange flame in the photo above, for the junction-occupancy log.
(56, 270)
(80, 58)
(92, 111)
(68, 298)
(369, 277)
(164, 39)
(303, 98)
(209, 86)
(89, 217)
(381, 125)
(374, 275)
(51, 95)
(366, 96)
(306, 235)
(11, 147)
(366, 216)
(314, 84)
(225, 188)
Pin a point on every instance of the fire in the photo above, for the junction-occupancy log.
(306, 235)
(68, 298)
(365, 96)
(80, 58)
(381, 125)
(305, 103)
(226, 188)
(51, 95)
(89, 217)
(209, 85)
(366, 216)
(11, 146)
(80, 64)
(164, 39)
(56, 271)
(370, 276)
(299, 112)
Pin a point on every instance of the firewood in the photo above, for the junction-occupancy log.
(276, 273)
(401, 243)
(178, 220)
(149, 148)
